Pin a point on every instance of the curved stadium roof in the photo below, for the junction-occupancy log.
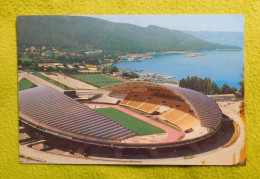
(56, 113)
(206, 110)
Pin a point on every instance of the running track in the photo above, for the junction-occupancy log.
(173, 135)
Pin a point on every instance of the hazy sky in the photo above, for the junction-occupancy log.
(234, 23)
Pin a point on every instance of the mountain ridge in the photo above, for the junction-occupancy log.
(94, 33)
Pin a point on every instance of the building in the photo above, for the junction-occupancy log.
(116, 73)
(92, 53)
(53, 113)
(222, 97)
(50, 64)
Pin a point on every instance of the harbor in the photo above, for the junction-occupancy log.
(148, 76)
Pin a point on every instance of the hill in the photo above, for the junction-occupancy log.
(87, 32)
(217, 35)
(224, 38)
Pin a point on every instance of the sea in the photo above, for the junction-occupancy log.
(222, 66)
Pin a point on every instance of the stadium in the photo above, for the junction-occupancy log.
(126, 120)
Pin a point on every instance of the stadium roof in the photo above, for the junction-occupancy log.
(206, 109)
(56, 113)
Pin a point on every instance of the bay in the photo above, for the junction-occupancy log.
(221, 66)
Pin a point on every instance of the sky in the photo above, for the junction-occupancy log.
(229, 23)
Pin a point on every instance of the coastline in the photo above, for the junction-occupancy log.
(150, 55)
(179, 67)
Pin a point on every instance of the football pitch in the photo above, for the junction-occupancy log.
(132, 123)
(26, 84)
(96, 79)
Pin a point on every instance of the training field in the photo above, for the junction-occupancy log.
(52, 81)
(26, 84)
(96, 79)
(136, 125)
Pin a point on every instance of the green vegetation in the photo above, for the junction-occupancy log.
(94, 59)
(206, 86)
(130, 75)
(26, 84)
(96, 79)
(110, 69)
(33, 66)
(136, 125)
(52, 81)
(26, 59)
(64, 32)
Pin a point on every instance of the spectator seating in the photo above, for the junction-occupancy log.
(149, 101)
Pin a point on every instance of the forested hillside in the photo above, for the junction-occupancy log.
(92, 33)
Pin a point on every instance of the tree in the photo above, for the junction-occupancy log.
(125, 74)
(131, 75)
(41, 68)
(20, 62)
(30, 55)
(58, 69)
(205, 85)
(241, 89)
(53, 60)
(214, 88)
(27, 64)
(110, 69)
(49, 68)
(61, 58)
(69, 70)
(225, 89)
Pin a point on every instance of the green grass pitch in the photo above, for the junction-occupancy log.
(26, 84)
(96, 79)
(132, 123)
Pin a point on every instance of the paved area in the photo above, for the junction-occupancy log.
(155, 138)
(173, 135)
(68, 81)
(38, 81)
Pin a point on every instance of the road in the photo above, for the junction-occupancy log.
(38, 81)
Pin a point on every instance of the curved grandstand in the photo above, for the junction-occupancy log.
(56, 114)
(183, 107)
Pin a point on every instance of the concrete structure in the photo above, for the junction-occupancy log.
(222, 97)
(53, 113)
